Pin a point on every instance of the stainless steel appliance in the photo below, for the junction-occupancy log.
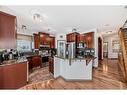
(70, 50)
(61, 51)
(66, 50)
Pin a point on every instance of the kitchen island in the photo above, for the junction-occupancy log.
(13, 74)
(73, 69)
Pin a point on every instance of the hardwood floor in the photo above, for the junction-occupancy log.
(106, 76)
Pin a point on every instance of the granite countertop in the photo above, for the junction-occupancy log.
(14, 61)
(87, 59)
(32, 55)
(37, 55)
(82, 58)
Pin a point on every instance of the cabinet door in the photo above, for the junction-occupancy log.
(48, 41)
(82, 39)
(53, 45)
(1, 76)
(89, 39)
(68, 37)
(7, 31)
(36, 41)
(51, 65)
(44, 38)
(52, 42)
(78, 38)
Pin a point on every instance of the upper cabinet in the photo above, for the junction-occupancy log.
(52, 42)
(7, 31)
(82, 38)
(36, 41)
(43, 39)
(72, 37)
(87, 38)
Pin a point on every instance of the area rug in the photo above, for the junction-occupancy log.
(39, 75)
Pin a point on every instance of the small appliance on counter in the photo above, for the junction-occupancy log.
(81, 45)
(5, 55)
(53, 52)
(10, 54)
(1, 58)
(85, 52)
(89, 52)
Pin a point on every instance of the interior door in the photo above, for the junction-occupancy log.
(105, 49)
(99, 48)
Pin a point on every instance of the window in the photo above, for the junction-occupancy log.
(24, 45)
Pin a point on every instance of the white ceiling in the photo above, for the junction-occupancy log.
(61, 19)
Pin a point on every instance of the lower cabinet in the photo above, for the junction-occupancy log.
(13, 76)
(34, 61)
(51, 65)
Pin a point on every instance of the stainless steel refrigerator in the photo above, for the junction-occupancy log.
(66, 49)
(70, 49)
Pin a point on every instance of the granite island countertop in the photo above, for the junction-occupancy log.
(14, 61)
(28, 56)
(88, 58)
(80, 58)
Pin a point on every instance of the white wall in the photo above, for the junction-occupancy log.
(109, 39)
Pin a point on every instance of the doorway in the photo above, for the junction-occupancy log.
(105, 49)
(99, 48)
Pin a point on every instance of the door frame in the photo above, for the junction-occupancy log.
(107, 49)
(100, 43)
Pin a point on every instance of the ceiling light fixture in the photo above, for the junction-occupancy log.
(23, 27)
(74, 30)
(37, 17)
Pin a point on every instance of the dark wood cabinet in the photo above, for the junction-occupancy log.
(89, 39)
(36, 41)
(13, 75)
(43, 39)
(51, 65)
(72, 37)
(34, 61)
(7, 31)
(82, 38)
(52, 42)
